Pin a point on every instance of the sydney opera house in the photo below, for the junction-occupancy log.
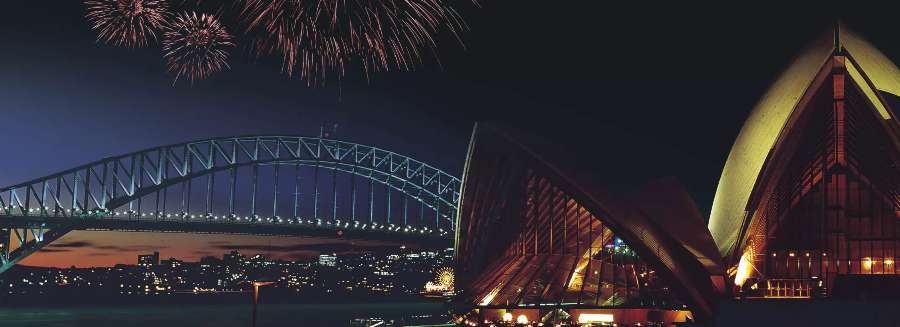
(809, 198)
(807, 206)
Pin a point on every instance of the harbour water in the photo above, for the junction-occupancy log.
(225, 315)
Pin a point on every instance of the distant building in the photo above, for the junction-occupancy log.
(172, 263)
(210, 261)
(327, 260)
(356, 274)
(232, 258)
(148, 260)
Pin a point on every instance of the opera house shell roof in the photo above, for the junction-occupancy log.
(806, 206)
(536, 230)
(756, 150)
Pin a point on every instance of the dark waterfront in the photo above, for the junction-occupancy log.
(352, 289)
(223, 315)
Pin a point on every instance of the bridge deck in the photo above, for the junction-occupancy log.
(325, 229)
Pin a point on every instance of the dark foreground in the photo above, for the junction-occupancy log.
(821, 312)
(225, 315)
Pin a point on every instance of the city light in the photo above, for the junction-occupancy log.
(587, 318)
(359, 274)
(443, 282)
(522, 319)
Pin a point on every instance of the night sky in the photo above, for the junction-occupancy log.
(637, 92)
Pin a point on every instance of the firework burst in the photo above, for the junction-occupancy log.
(318, 37)
(130, 23)
(196, 45)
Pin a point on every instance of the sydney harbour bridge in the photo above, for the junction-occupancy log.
(261, 185)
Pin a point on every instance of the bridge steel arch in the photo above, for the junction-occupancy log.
(134, 192)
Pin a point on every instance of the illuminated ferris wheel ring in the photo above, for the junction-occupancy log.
(444, 277)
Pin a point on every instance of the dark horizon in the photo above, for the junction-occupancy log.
(292, 252)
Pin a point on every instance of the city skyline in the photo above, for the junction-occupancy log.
(105, 248)
(396, 274)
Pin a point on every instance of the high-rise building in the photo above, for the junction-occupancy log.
(148, 260)
(327, 260)
(233, 258)
(809, 199)
(171, 263)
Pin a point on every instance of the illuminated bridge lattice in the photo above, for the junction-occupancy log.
(286, 185)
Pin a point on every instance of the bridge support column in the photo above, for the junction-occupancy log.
(28, 240)
(4, 245)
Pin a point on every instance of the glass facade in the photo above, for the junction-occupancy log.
(538, 234)
(830, 208)
(563, 254)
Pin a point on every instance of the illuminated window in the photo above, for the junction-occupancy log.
(586, 318)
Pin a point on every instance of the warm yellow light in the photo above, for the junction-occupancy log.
(490, 296)
(769, 118)
(867, 263)
(791, 254)
(774, 254)
(888, 261)
(744, 268)
(522, 319)
(576, 279)
(586, 318)
(507, 316)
